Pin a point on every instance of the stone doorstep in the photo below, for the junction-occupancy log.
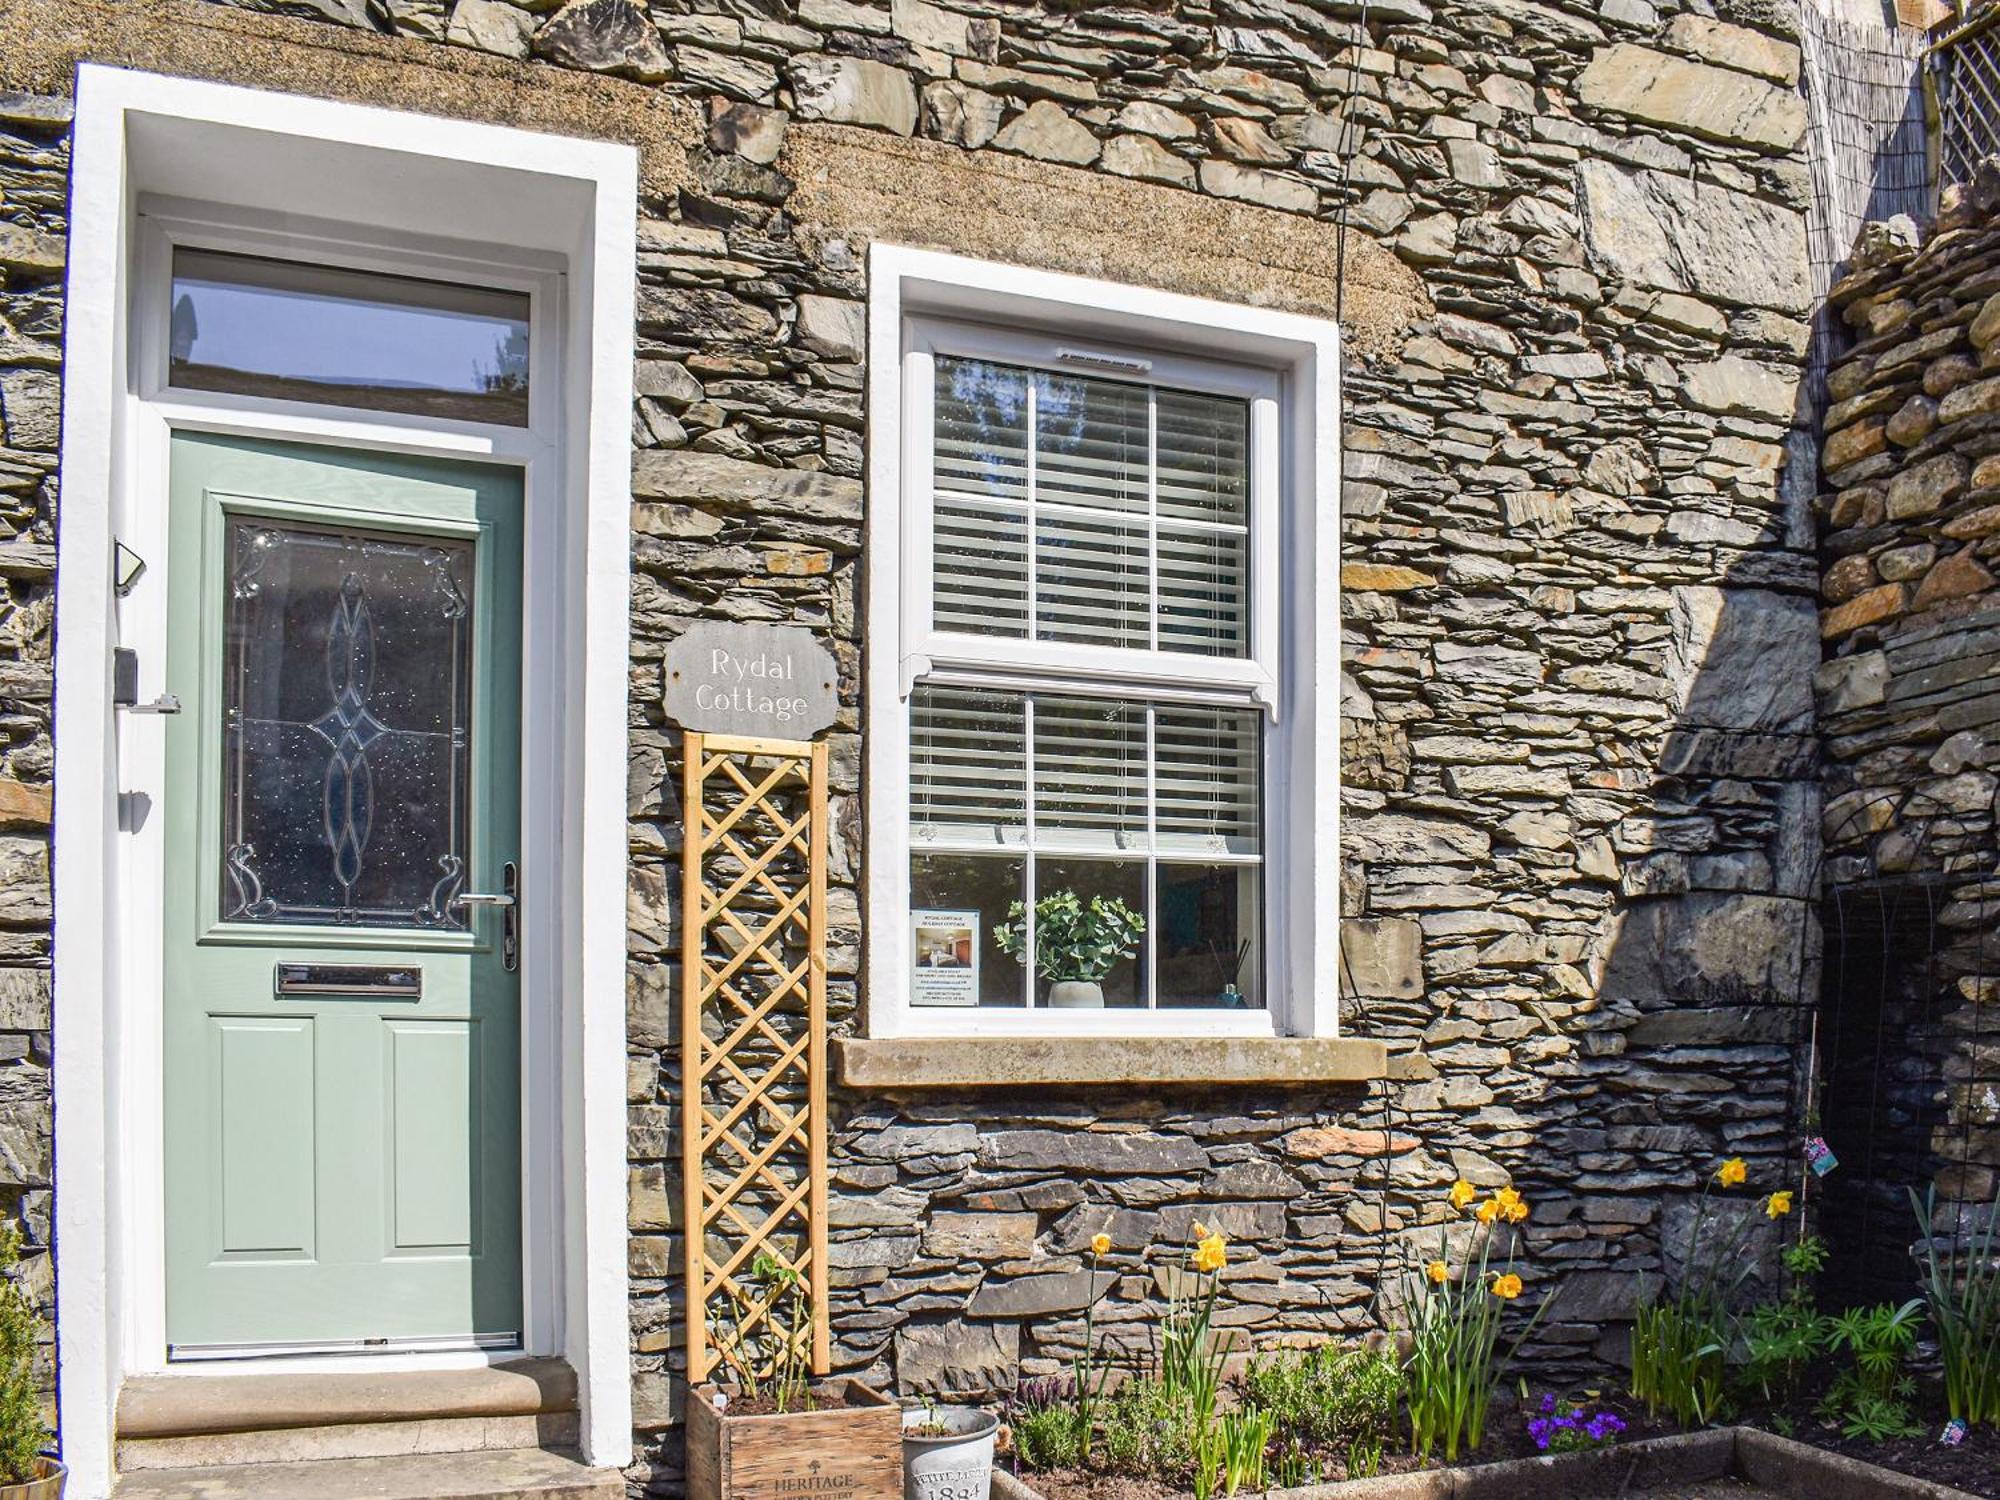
(178, 1406)
(278, 1445)
(1777, 1464)
(510, 1474)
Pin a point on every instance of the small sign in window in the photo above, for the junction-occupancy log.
(946, 957)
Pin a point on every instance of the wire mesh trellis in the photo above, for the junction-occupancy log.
(1868, 152)
(1908, 1066)
(1965, 72)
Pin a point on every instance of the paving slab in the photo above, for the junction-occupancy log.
(509, 1474)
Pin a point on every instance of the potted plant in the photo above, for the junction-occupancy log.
(770, 1432)
(948, 1452)
(1077, 943)
(26, 1472)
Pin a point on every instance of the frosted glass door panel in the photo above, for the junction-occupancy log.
(347, 695)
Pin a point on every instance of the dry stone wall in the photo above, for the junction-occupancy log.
(1579, 817)
(1910, 692)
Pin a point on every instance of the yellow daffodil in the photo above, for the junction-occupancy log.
(1210, 1255)
(1778, 1205)
(1732, 1173)
(1462, 1193)
(1512, 1206)
(1101, 1245)
(1200, 1230)
(1438, 1272)
(1488, 1211)
(1507, 1287)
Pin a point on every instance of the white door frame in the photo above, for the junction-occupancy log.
(535, 451)
(159, 161)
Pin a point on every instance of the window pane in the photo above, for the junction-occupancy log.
(1206, 939)
(1208, 778)
(1091, 583)
(1123, 509)
(981, 415)
(1158, 805)
(982, 569)
(347, 691)
(1091, 443)
(968, 766)
(257, 327)
(979, 455)
(1204, 458)
(1204, 592)
(1124, 880)
(1090, 773)
(958, 901)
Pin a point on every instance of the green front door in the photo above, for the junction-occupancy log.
(342, 1030)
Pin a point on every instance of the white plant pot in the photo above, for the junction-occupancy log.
(1076, 994)
(957, 1465)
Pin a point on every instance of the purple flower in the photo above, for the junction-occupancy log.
(1566, 1426)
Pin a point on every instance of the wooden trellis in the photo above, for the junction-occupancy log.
(753, 1023)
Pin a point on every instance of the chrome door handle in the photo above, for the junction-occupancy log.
(508, 902)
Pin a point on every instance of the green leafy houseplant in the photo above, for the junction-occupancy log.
(23, 1433)
(1075, 941)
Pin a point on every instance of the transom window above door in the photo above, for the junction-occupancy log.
(1094, 652)
(248, 325)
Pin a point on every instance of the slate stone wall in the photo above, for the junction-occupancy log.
(1580, 820)
(1910, 695)
(34, 190)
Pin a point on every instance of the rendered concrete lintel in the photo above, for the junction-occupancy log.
(1003, 1062)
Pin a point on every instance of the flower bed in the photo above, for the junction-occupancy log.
(1776, 1465)
(1431, 1396)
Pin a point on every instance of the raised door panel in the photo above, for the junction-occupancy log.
(263, 1071)
(435, 1137)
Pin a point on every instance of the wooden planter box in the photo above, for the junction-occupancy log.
(852, 1452)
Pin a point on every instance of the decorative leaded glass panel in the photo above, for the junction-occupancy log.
(347, 700)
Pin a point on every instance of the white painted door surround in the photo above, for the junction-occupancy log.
(160, 161)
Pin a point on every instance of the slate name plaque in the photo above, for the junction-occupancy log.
(760, 681)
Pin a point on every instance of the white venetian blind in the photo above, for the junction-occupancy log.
(992, 768)
(1095, 512)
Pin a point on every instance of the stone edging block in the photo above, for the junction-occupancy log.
(1800, 1469)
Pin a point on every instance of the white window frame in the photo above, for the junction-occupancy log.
(925, 303)
(162, 160)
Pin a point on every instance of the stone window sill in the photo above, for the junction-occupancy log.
(1005, 1062)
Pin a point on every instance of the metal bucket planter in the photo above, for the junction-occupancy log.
(955, 1463)
(47, 1485)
